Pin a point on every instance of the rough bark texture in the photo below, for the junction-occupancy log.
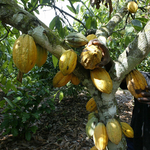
(136, 51)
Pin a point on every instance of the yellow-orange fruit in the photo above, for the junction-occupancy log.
(24, 53)
(101, 80)
(94, 148)
(90, 57)
(75, 80)
(127, 130)
(67, 62)
(41, 55)
(100, 136)
(91, 37)
(136, 82)
(91, 105)
(60, 80)
(132, 7)
(114, 131)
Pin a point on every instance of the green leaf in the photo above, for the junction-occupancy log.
(4, 80)
(14, 131)
(53, 22)
(55, 61)
(137, 25)
(25, 116)
(88, 22)
(36, 115)
(61, 95)
(28, 135)
(2, 103)
(17, 99)
(9, 102)
(33, 129)
(5, 64)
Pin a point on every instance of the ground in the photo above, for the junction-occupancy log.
(64, 128)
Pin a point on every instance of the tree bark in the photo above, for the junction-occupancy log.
(12, 14)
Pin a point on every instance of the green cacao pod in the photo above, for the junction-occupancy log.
(90, 57)
(101, 80)
(24, 53)
(136, 82)
(67, 62)
(76, 40)
(90, 126)
(41, 55)
(114, 131)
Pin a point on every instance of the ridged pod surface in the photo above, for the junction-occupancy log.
(91, 105)
(127, 130)
(132, 7)
(41, 55)
(90, 126)
(136, 82)
(24, 53)
(100, 136)
(90, 57)
(114, 131)
(91, 37)
(90, 115)
(94, 148)
(76, 40)
(60, 80)
(101, 80)
(68, 62)
(75, 80)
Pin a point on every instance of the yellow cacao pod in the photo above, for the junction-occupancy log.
(90, 126)
(76, 40)
(24, 53)
(91, 37)
(94, 148)
(101, 80)
(91, 105)
(60, 80)
(90, 57)
(75, 80)
(114, 131)
(100, 136)
(132, 7)
(127, 130)
(41, 55)
(136, 82)
(68, 62)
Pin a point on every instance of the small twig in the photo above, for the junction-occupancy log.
(5, 36)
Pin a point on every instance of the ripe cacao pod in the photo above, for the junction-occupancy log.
(60, 80)
(41, 55)
(136, 82)
(114, 131)
(76, 40)
(91, 37)
(68, 62)
(90, 57)
(101, 80)
(127, 130)
(90, 126)
(94, 148)
(132, 7)
(24, 53)
(100, 136)
(75, 80)
(91, 105)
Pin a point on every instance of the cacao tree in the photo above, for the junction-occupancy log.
(133, 54)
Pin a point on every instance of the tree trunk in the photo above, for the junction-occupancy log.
(12, 14)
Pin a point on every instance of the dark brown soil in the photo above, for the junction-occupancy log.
(64, 128)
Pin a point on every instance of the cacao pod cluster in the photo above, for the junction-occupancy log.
(102, 133)
(27, 54)
(67, 64)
